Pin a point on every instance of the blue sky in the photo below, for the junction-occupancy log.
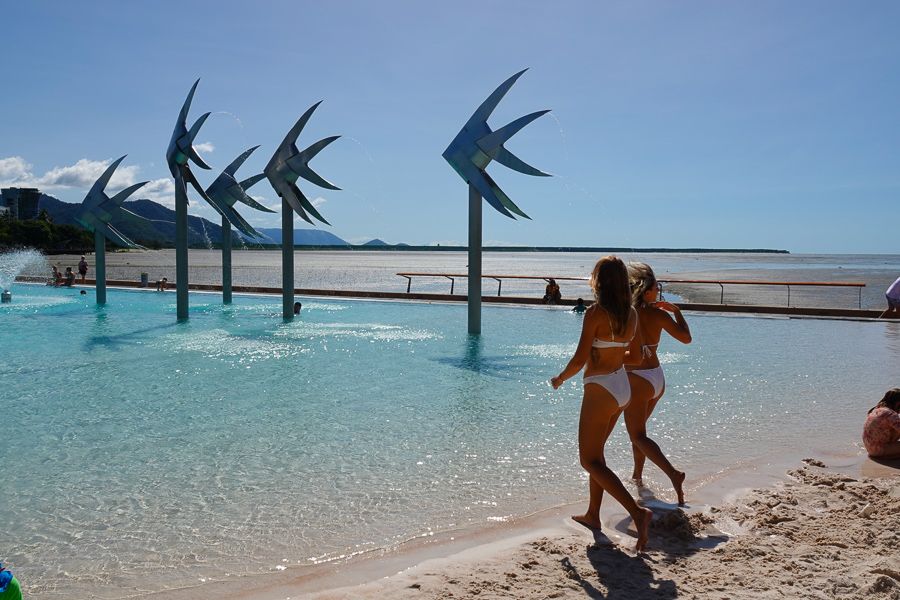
(678, 124)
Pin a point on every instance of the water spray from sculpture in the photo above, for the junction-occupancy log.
(96, 212)
(470, 152)
(15, 263)
(224, 193)
(286, 166)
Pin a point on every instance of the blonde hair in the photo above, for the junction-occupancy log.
(609, 282)
(642, 279)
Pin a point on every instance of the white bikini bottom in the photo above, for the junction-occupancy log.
(616, 383)
(656, 378)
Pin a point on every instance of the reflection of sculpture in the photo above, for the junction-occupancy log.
(97, 210)
(286, 166)
(179, 152)
(224, 193)
(470, 152)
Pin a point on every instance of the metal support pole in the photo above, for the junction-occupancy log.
(474, 261)
(226, 261)
(452, 284)
(408, 283)
(100, 268)
(287, 259)
(860, 297)
(181, 248)
(789, 295)
(722, 295)
(499, 285)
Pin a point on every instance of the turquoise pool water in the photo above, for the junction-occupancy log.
(140, 454)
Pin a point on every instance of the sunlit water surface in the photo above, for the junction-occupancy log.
(140, 454)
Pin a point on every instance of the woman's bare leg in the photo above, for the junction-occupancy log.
(591, 519)
(599, 412)
(639, 457)
(636, 414)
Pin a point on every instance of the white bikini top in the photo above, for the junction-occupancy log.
(598, 343)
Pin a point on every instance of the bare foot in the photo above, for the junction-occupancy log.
(642, 524)
(588, 521)
(677, 483)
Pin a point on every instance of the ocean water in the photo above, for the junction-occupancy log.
(377, 270)
(140, 454)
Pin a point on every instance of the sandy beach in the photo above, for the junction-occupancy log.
(822, 532)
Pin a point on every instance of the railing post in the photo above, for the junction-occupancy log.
(499, 285)
(860, 297)
(722, 295)
(789, 295)
(408, 283)
(452, 284)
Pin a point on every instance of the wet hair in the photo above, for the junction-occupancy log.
(642, 279)
(891, 400)
(609, 282)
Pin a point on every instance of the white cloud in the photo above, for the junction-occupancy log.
(15, 171)
(318, 201)
(161, 191)
(204, 147)
(14, 168)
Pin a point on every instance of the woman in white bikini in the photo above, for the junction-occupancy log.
(607, 340)
(648, 383)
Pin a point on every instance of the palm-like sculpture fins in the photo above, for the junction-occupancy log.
(288, 164)
(181, 147)
(98, 209)
(476, 145)
(226, 191)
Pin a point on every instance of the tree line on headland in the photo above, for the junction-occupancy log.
(55, 231)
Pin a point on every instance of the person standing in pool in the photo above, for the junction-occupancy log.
(648, 382)
(82, 269)
(607, 341)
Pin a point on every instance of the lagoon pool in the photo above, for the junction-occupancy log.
(141, 454)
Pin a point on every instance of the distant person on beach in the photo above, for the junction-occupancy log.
(82, 269)
(648, 383)
(552, 295)
(70, 277)
(297, 308)
(579, 306)
(161, 284)
(608, 339)
(893, 299)
(881, 431)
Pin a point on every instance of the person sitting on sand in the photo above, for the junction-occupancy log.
(70, 278)
(608, 339)
(579, 306)
(161, 284)
(552, 295)
(893, 299)
(881, 431)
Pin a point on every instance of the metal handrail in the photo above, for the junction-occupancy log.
(720, 282)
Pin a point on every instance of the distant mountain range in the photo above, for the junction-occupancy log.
(159, 231)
